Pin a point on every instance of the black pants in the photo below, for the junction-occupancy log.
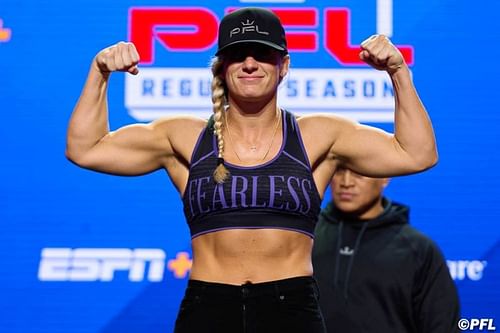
(288, 306)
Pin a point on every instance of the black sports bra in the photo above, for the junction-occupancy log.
(278, 194)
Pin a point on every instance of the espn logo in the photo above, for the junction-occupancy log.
(84, 264)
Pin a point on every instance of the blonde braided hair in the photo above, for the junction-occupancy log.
(221, 173)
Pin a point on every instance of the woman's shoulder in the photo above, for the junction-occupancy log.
(323, 122)
(182, 124)
(180, 120)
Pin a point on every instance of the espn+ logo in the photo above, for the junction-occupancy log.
(103, 264)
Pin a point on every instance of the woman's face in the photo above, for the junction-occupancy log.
(253, 71)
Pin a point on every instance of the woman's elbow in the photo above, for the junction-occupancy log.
(72, 156)
(75, 156)
(427, 160)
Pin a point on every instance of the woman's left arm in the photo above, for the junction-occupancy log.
(412, 148)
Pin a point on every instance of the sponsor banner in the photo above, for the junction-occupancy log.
(345, 86)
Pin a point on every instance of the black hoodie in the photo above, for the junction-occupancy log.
(381, 275)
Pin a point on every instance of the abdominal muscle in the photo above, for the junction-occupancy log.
(238, 256)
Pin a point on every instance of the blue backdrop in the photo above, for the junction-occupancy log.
(88, 252)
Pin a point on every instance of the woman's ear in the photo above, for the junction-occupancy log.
(285, 64)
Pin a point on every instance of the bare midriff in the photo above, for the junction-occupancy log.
(239, 256)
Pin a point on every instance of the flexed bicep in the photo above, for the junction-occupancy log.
(332, 140)
(131, 150)
(413, 144)
(88, 129)
(372, 152)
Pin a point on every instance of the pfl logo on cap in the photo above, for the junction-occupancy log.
(247, 27)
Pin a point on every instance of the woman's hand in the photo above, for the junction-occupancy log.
(378, 52)
(121, 57)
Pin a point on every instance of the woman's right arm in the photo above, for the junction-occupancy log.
(131, 150)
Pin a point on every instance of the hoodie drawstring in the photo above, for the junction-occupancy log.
(337, 251)
(351, 260)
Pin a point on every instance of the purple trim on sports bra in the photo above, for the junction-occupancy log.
(252, 228)
(299, 135)
(298, 161)
(198, 141)
(202, 158)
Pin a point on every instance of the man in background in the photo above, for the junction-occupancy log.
(375, 272)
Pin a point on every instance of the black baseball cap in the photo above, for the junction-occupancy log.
(251, 25)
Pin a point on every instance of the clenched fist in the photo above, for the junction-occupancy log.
(122, 57)
(378, 52)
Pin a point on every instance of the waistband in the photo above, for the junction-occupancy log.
(277, 287)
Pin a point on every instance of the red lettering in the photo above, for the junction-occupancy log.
(337, 39)
(145, 24)
(188, 29)
(300, 18)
